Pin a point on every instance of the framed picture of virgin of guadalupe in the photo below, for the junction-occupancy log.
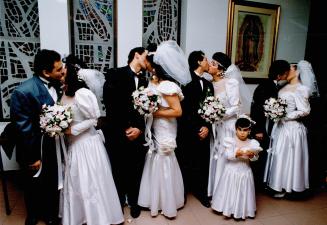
(252, 37)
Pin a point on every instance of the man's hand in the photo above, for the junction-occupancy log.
(132, 133)
(203, 133)
(259, 136)
(36, 165)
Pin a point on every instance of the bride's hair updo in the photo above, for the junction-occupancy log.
(73, 65)
(223, 60)
(159, 71)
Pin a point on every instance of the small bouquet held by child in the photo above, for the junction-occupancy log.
(275, 109)
(211, 109)
(145, 101)
(54, 120)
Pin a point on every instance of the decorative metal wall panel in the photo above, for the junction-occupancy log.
(160, 21)
(19, 42)
(93, 33)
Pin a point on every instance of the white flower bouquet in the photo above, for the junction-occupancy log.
(212, 110)
(145, 101)
(55, 119)
(275, 109)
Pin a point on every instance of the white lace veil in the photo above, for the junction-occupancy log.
(94, 79)
(245, 95)
(308, 77)
(172, 59)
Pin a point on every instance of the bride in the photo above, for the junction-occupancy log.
(162, 185)
(89, 194)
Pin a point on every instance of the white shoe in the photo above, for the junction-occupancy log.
(279, 195)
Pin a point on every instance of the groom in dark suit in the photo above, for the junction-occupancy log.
(125, 127)
(41, 192)
(278, 72)
(193, 137)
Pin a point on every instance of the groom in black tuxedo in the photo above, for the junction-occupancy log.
(125, 127)
(193, 137)
(41, 193)
(269, 88)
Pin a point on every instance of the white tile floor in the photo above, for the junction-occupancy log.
(312, 211)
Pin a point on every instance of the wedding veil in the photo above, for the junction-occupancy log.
(308, 77)
(172, 59)
(94, 79)
(245, 96)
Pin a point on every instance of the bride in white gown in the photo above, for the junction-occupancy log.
(89, 194)
(162, 183)
(287, 164)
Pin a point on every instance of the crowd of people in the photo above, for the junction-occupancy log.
(154, 163)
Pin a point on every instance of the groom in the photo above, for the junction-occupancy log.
(125, 128)
(194, 132)
(40, 192)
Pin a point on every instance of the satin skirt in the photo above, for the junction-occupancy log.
(89, 194)
(162, 185)
(235, 193)
(287, 166)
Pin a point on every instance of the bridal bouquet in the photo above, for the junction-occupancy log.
(275, 109)
(55, 119)
(211, 109)
(145, 101)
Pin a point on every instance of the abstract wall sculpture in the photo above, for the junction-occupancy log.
(93, 32)
(161, 21)
(19, 42)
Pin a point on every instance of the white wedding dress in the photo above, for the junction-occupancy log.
(227, 91)
(287, 166)
(235, 193)
(89, 194)
(162, 185)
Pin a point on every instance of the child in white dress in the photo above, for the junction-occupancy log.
(235, 193)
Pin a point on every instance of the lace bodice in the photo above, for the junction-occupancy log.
(165, 129)
(297, 98)
(227, 91)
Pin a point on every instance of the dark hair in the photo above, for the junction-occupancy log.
(131, 54)
(194, 58)
(223, 59)
(152, 47)
(278, 67)
(74, 60)
(71, 79)
(44, 60)
(243, 123)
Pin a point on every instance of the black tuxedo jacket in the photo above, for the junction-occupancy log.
(263, 91)
(117, 96)
(194, 95)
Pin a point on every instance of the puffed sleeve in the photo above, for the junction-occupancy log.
(230, 148)
(87, 103)
(301, 98)
(170, 88)
(233, 95)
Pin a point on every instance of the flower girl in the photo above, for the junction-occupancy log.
(235, 193)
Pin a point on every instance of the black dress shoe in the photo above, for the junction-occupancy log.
(52, 222)
(31, 221)
(135, 211)
(205, 202)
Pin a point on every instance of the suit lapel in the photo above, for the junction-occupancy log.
(42, 92)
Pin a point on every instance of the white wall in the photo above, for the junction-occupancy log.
(204, 26)
(129, 28)
(54, 25)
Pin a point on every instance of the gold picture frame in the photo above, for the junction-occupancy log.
(252, 37)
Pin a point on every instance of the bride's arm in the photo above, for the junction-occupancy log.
(174, 108)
